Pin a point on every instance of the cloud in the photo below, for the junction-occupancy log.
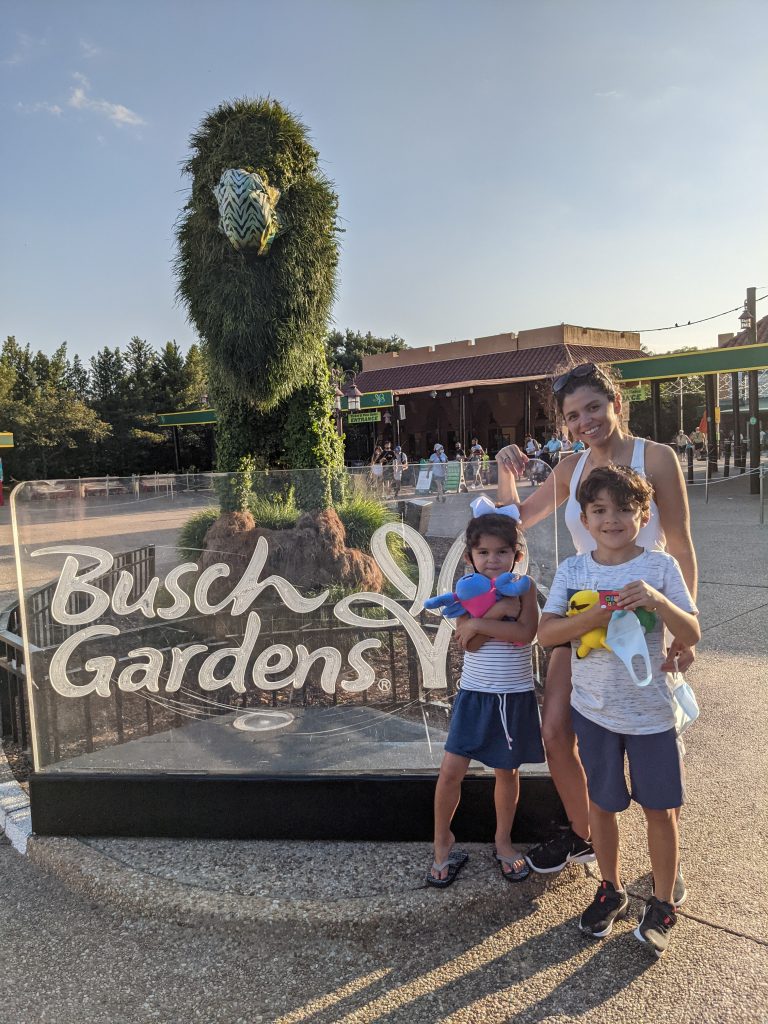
(88, 49)
(41, 107)
(611, 94)
(118, 114)
(26, 47)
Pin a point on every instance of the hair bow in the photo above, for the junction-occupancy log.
(483, 506)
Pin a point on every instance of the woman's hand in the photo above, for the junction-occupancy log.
(512, 459)
(685, 657)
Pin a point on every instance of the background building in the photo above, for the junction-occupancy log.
(490, 388)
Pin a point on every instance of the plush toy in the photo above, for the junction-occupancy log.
(596, 638)
(475, 594)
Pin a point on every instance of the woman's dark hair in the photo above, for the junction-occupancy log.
(493, 525)
(586, 375)
(624, 485)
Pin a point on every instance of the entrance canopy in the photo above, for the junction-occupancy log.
(685, 364)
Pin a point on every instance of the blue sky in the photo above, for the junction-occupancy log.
(500, 166)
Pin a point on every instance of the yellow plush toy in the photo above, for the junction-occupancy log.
(595, 638)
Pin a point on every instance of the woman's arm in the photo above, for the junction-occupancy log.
(664, 472)
(542, 502)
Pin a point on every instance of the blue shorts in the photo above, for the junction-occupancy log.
(500, 730)
(655, 769)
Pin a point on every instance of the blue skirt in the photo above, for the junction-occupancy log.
(500, 730)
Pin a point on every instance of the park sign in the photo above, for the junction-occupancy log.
(636, 394)
(248, 687)
(193, 418)
(365, 417)
(371, 400)
(6, 440)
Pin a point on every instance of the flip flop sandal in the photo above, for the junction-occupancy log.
(512, 875)
(455, 862)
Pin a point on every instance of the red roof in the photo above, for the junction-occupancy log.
(742, 338)
(494, 368)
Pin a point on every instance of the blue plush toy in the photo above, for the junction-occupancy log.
(475, 594)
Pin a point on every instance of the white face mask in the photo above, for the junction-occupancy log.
(626, 639)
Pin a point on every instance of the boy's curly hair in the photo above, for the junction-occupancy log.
(624, 485)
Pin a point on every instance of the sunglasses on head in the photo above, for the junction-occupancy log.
(577, 373)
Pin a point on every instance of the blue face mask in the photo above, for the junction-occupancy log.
(626, 639)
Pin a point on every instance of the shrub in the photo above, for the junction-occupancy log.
(192, 534)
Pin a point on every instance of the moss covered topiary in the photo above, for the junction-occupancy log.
(263, 318)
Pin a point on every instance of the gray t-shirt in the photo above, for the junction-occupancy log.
(603, 690)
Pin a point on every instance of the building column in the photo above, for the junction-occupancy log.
(709, 395)
(736, 404)
(656, 409)
(754, 433)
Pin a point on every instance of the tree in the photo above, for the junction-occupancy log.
(345, 351)
(57, 423)
(263, 319)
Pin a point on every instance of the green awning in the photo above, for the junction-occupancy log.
(685, 364)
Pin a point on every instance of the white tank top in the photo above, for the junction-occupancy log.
(651, 536)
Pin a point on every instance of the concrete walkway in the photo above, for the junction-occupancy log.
(154, 930)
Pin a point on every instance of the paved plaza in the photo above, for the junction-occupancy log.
(324, 933)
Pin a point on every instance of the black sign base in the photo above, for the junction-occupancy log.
(342, 807)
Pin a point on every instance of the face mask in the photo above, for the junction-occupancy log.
(626, 639)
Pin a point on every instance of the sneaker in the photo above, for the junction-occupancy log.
(655, 925)
(608, 906)
(679, 893)
(565, 848)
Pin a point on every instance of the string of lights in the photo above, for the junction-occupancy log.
(690, 323)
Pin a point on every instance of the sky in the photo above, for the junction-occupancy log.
(501, 166)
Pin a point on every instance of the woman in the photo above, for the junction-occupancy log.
(377, 470)
(590, 405)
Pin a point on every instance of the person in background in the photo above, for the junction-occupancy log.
(387, 460)
(377, 469)
(550, 453)
(566, 442)
(698, 440)
(399, 467)
(578, 445)
(476, 453)
(681, 442)
(459, 454)
(437, 461)
(530, 447)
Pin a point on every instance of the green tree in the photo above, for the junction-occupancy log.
(345, 350)
(263, 320)
(56, 422)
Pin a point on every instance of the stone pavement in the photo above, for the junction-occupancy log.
(156, 930)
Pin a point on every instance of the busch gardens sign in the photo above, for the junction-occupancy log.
(80, 602)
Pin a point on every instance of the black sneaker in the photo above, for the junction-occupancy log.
(607, 906)
(655, 925)
(679, 893)
(565, 848)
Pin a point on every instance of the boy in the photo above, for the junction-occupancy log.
(612, 716)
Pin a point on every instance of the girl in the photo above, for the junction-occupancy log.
(590, 404)
(495, 718)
